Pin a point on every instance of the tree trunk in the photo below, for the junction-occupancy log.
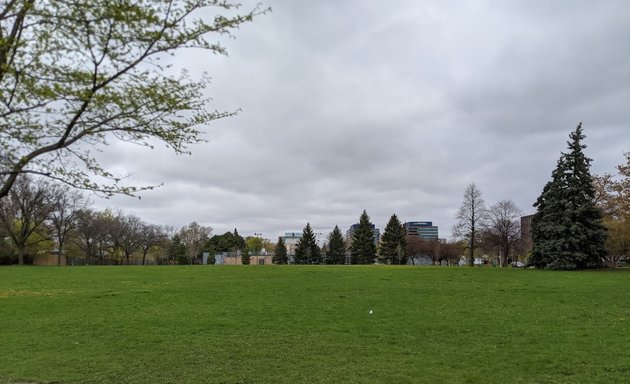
(59, 256)
(20, 255)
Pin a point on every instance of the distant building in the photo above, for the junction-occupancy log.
(526, 233)
(291, 240)
(225, 259)
(353, 227)
(422, 229)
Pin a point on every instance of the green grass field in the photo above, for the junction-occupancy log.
(291, 324)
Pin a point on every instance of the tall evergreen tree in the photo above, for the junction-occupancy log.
(239, 241)
(306, 250)
(567, 230)
(336, 247)
(280, 256)
(363, 249)
(393, 242)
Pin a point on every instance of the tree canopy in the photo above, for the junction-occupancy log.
(77, 75)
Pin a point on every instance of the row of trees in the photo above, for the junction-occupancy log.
(582, 221)
(494, 230)
(40, 216)
(395, 247)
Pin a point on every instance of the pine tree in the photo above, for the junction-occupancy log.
(280, 256)
(336, 247)
(567, 230)
(363, 249)
(306, 250)
(245, 258)
(392, 242)
(239, 241)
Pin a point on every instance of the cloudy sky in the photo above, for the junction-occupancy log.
(391, 107)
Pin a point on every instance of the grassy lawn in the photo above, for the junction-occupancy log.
(293, 324)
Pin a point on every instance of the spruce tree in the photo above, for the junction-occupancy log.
(336, 247)
(567, 230)
(392, 242)
(280, 256)
(245, 258)
(239, 241)
(306, 250)
(363, 249)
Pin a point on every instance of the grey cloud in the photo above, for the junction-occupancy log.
(392, 108)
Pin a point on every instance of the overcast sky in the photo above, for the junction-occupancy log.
(391, 107)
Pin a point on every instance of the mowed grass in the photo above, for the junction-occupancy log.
(288, 324)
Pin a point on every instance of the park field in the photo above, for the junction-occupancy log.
(312, 324)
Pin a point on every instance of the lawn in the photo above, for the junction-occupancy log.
(288, 324)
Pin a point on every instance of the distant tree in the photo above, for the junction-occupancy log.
(66, 205)
(504, 225)
(77, 75)
(307, 251)
(450, 252)
(177, 250)
(613, 198)
(336, 247)
(245, 257)
(254, 244)
(194, 236)
(239, 241)
(393, 242)
(24, 213)
(363, 249)
(471, 217)
(567, 229)
(106, 240)
(149, 236)
(268, 246)
(280, 256)
(125, 232)
(417, 246)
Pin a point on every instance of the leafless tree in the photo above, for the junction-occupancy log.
(67, 203)
(149, 236)
(125, 233)
(471, 217)
(505, 226)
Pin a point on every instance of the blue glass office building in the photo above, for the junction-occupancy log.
(421, 229)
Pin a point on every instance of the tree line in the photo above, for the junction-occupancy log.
(39, 216)
(582, 220)
(394, 248)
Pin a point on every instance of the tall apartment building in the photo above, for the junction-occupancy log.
(353, 227)
(422, 229)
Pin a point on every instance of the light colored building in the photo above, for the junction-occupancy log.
(232, 259)
(291, 240)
